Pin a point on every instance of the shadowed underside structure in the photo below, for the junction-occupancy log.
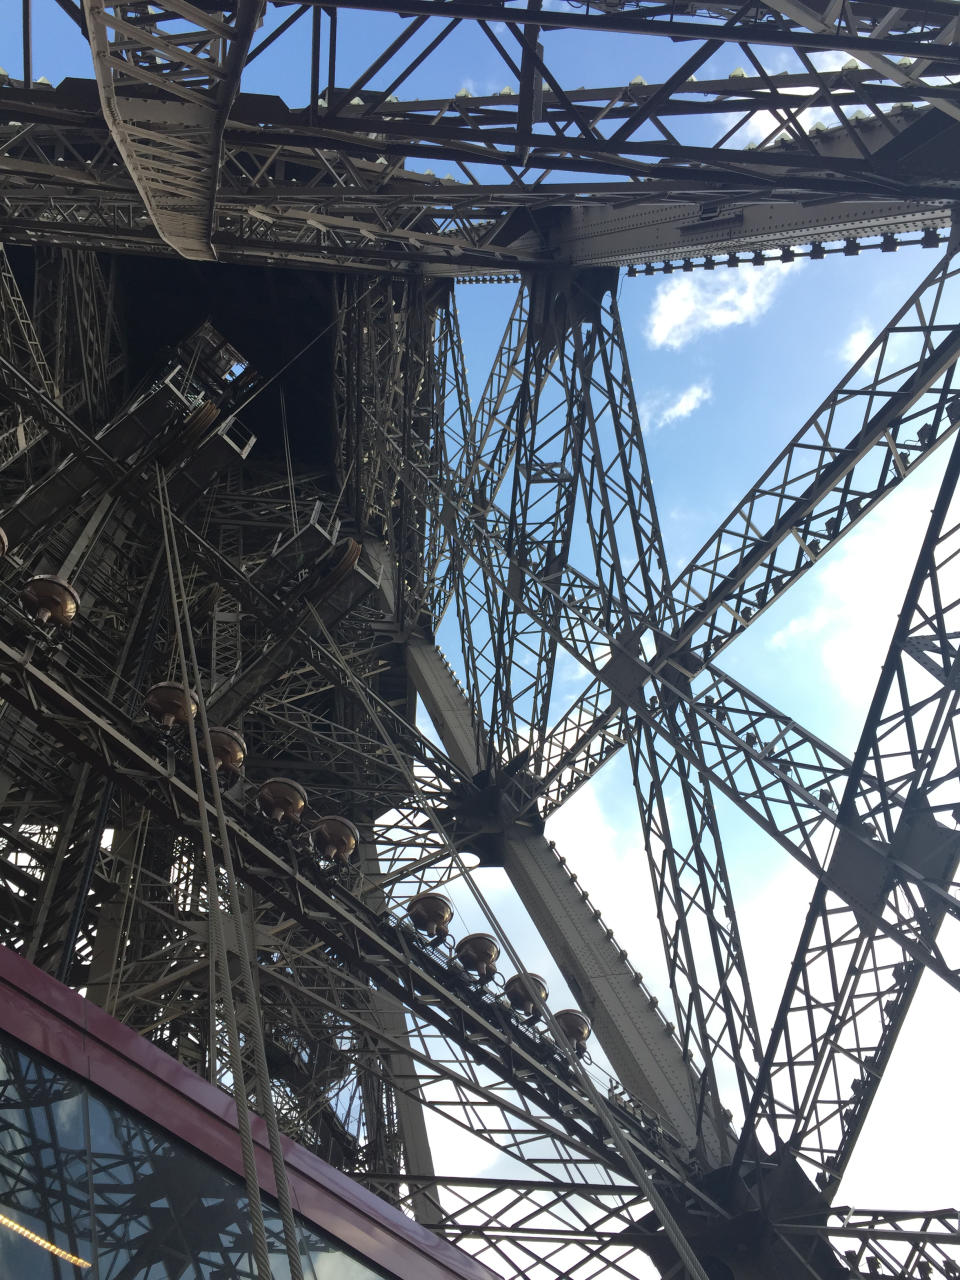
(235, 419)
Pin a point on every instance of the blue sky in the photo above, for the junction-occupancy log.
(719, 400)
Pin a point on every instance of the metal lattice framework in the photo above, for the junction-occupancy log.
(309, 602)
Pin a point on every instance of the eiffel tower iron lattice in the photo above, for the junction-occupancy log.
(268, 572)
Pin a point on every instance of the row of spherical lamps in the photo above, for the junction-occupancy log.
(280, 799)
(431, 914)
(50, 599)
(889, 243)
(283, 800)
(335, 838)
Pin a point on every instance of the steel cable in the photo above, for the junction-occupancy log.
(251, 1179)
(254, 1021)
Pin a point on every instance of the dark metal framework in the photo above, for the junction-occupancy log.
(305, 605)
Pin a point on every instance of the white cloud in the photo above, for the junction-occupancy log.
(859, 594)
(662, 408)
(857, 343)
(686, 403)
(902, 350)
(833, 60)
(453, 1149)
(685, 308)
(765, 127)
(804, 624)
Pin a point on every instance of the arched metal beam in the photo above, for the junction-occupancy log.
(167, 81)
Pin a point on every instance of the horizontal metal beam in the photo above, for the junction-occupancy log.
(686, 231)
(331, 190)
(632, 21)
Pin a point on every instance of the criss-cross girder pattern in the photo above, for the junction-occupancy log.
(499, 560)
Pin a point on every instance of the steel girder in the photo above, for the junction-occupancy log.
(22, 348)
(909, 742)
(890, 1242)
(561, 1231)
(773, 754)
(588, 636)
(583, 392)
(160, 993)
(876, 27)
(77, 323)
(685, 723)
(898, 399)
(162, 985)
(898, 403)
(327, 184)
(171, 144)
(73, 353)
(283, 618)
(161, 989)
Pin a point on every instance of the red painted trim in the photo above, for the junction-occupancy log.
(50, 1018)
